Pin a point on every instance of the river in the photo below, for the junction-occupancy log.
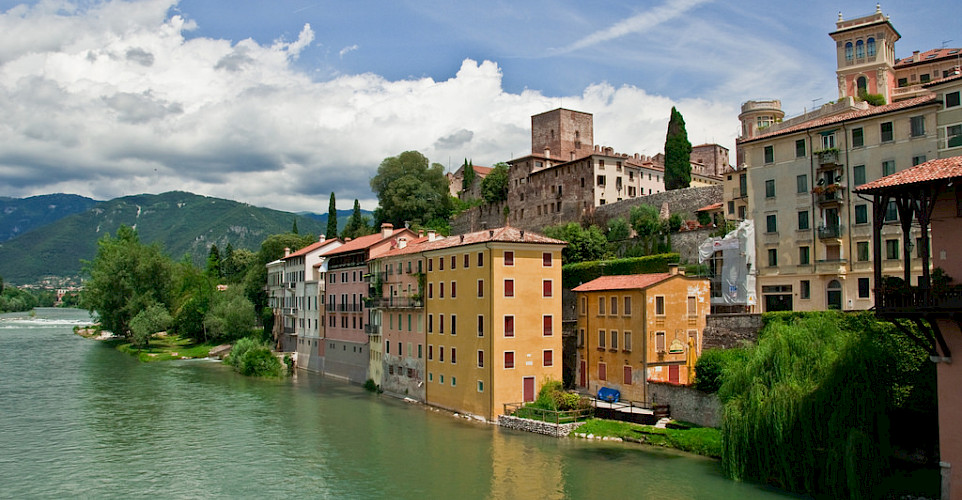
(79, 418)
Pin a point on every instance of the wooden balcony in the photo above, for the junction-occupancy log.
(914, 301)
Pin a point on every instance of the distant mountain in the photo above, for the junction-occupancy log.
(342, 216)
(21, 215)
(182, 223)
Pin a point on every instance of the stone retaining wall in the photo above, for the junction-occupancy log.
(724, 331)
(537, 426)
(690, 405)
(679, 201)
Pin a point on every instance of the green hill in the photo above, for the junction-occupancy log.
(182, 223)
(22, 215)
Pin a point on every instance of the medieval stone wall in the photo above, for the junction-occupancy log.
(724, 331)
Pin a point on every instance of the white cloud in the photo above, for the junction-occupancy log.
(115, 100)
(345, 50)
(638, 23)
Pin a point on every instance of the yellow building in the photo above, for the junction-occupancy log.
(636, 328)
(493, 308)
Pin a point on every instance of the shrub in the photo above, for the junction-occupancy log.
(712, 364)
(252, 357)
(573, 275)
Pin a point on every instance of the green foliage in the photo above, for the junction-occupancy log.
(370, 386)
(13, 299)
(469, 175)
(272, 248)
(148, 322)
(584, 244)
(254, 358)
(650, 229)
(126, 277)
(712, 365)
(237, 264)
(357, 224)
(213, 262)
(409, 190)
(192, 292)
(808, 409)
(691, 438)
(677, 153)
(494, 187)
(704, 218)
(231, 315)
(873, 99)
(459, 205)
(618, 230)
(573, 275)
(21, 215)
(331, 218)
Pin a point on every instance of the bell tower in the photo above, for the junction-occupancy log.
(865, 48)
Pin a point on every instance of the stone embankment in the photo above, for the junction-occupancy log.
(537, 426)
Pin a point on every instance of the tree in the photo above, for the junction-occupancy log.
(213, 262)
(192, 294)
(494, 187)
(148, 322)
(677, 153)
(331, 218)
(126, 277)
(357, 224)
(618, 230)
(468, 175)
(294, 228)
(230, 316)
(649, 228)
(584, 244)
(227, 269)
(409, 190)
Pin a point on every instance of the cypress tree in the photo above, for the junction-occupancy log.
(294, 228)
(677, 153)
(331, 218)
(469, 176)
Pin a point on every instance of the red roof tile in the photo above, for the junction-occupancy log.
(927, 56)
(846, 116)
(311, 247)
(622, 282)
(932, 170)
(506, 234)
(713, 206)
(359, 243)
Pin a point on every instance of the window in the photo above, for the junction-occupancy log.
(769, 154)
(509, 359)
(509, 326)
(891, 212)
(804, 256)
(454, 324)
(454, 355)
(467, 261)
(918, 160)
(951, 137)
(888, 167)
(430, 352)
(547, 357)
(430, 323)
(441, 354)
(800, 148)
(801, 183)
(731, 208)
(861, 250)
(546, 259)
(771, 225)
(547, 325)
(692, 306)
(660, 305)
(614, 306)
(863, 288)
(770, 188)
(858, 174)
(806, 289)
(454, 289)
(859, 49)
(858, 137)
(601, 339)
(509, 258)
(952, 99)
(601, 180)
(480, 259)
(772, 257)
(440, 263)
(803, 220)
(480, 359)
(828, 141)
(440, 323)
(614, 340)
(480, 386)
(627, 308)
(584, 306)
(861, 214)
(581, 337)
(509, 288)
(659, 341)
(601, 306)
(430, 290)
(602, 371)
(627, 345)
(870, 47)
(848, 51)
(887, 134)
(918, 126)
(480, 325)
(892, 249)
(627, 373)
(546, 290)
(480, 288)
(454, 262)
(925, 78)
(441, 290)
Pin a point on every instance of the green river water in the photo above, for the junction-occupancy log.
(80, 419)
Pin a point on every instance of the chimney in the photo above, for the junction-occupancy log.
(432, 235)
(462, 238)
(915, 56)
(287, 252)
(547, 153)
(420, 233)
(402, 242)
(347, 239)
(522, 234)
(321, 238)
(673, 269)
(387, 229)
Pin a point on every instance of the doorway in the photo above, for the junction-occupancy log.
(834, 294)
(528, 383)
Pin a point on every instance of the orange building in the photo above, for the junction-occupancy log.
(639, 327)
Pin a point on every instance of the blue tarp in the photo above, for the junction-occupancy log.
(609, 395)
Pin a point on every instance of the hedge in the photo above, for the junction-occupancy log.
(575, 274)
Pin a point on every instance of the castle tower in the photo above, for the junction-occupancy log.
(756, 116)
(562, 134)
(865, 48)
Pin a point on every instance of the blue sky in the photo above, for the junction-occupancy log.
(279, 103)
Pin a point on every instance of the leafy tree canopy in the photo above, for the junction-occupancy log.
(677, 153)
(494, 187)
(410, 190)
(583, 243)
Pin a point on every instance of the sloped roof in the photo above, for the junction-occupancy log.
(927, 56)
(622, 282)
(359, 243)
(932, 170)
(713, 206)
(312, 247)
(506, 234)
(846, 116)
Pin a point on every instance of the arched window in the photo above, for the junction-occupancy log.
(862, 84)
(834, 293)
(848, 51)
(859, 49)
(870, 47)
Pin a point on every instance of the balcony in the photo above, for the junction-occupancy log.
(827, 156)
(397, 303)
(830, 232)
(914, 301)
(831, 266)
(738, 193)
(830, 196)
(372, 329)
(290, 311)
(349, 308)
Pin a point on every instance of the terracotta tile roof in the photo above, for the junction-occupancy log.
(311, 247)
(483, 171)
(622, 282)
(358, 243)
(846, 116)
(411, 247)
(927, 56)
(947, 79)
(932, 170)
(506, 234)
(713, 206)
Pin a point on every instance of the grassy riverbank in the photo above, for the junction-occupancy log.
(165, 348)
(699, 440)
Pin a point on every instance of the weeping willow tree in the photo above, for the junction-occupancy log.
(807, 411)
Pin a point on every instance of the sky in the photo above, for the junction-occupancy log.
(280, 103)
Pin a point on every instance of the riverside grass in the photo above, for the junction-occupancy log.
(166, 348)
(704, 441)
(807, 410)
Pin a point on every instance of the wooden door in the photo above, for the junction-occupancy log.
(583, 374)
(673, 374)
(528, 383)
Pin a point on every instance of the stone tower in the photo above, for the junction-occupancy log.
(865, 48)
(562, 134)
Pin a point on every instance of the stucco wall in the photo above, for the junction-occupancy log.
(690, 405)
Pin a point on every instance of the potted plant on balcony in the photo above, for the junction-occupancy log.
(818, 190)
(827, 155)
